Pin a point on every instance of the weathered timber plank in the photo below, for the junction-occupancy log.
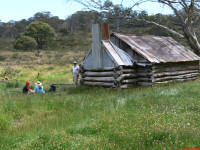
(174, 73)
(124, 86)
(144, 83)
(171, 64)
(129, 81)
(147, 67)
(126, 76)
(143, 70)
(176, 77)
(100, 74)
(129, 76)
(175, 80)
(101, 79)
(175, 68)
(144, 74)
(128, 70)
(145, 79)
(143, 64)
(99, 84)
(101, 69)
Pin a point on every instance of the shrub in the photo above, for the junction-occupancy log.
(64, 31)
(2, 58)
(15, 84)
(10, 72)
(25, 43)
(16, 55)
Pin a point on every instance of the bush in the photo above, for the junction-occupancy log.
(2, 58)
(10, 72)
(13, 84)
(25, 43)
(64, 31)
(16, 55)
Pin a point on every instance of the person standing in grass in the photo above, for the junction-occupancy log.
(26, 88)
(75, 72)
(39, 88)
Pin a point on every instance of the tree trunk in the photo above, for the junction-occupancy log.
(192, 40)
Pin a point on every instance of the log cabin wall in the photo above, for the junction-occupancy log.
(118, 77)
(175, 71)
(128, 77)
(144, 74)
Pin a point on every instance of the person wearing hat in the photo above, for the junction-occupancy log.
(5, 78)
(75, 72)
(38, 88)
(26, 88)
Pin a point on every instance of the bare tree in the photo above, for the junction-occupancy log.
(187, 11)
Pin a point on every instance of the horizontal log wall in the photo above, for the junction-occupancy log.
(144, 74)
(128, 78)
(121, 77)
(141, 74)
(170, 72)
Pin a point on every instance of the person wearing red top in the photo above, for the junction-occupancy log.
(26, 88)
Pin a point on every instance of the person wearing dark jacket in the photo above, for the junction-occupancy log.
(26, 88)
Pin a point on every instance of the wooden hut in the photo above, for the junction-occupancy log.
(106, 64)
(158, 59)
(125, 60)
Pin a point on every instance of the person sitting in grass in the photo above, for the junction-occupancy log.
(26, 88)
(5, 78)
(38, 88)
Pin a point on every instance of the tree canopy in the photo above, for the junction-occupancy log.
(41, 32)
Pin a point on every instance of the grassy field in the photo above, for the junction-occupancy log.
(158, 117)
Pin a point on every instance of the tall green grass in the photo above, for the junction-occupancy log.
(159, 117)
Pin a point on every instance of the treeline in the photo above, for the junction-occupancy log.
(69, 32)
(82, 20)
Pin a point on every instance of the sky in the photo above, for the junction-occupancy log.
(23, 9)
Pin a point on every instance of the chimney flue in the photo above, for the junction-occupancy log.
(99, 32)
(105, 31)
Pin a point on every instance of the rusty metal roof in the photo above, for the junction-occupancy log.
(158, 49)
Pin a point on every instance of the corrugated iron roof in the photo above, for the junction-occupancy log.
(117, 55)
(158, 49)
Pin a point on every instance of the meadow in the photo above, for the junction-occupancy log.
(159, 117)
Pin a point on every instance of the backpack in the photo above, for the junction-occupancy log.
(52, 88)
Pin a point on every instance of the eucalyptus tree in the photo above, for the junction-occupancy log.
(187, 12)
(41, 32)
